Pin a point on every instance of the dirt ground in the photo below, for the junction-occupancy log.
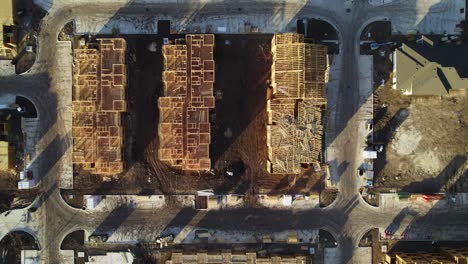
(425, 142)
(238, 137)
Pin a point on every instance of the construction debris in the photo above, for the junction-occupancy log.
(296, 104)
(184, 126)
(99, 88)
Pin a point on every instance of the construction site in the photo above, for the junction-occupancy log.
(420, 117)
(296, 104)
(7, 30)
(402, 252)
(184, 127)
(241, 258)
(99, 99)
(424, 146)
(205, 111)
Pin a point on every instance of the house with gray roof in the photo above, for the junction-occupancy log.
(429, 67)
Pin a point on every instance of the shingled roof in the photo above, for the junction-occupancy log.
(417, 75)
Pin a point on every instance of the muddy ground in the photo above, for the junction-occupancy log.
(242, 74)
(425, 142)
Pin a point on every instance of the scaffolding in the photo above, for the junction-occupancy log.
(184, 127)
(295, 129)
(99, 98)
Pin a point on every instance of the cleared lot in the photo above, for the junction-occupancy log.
(425, 142)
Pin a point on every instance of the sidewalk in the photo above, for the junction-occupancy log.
(283, 202)
(332, 97)
(148, 202)
(62, 83)
(390, 201)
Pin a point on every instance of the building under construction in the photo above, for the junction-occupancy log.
(99, 99)
(296, 104)
(443, 255)
(238, 258)
(184, 126)
(7, 30)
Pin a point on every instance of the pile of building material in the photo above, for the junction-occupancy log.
(99, 98)
(297, 103)
(184, 126)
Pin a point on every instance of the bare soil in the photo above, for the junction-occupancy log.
(238, 137)
(425, 143)
(327, 197)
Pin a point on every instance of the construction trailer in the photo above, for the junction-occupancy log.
(184, 125)
(238, 258)
(296, 103)
(99, 99)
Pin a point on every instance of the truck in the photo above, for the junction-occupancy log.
(26, 184)
(92, 201)
(26, 174)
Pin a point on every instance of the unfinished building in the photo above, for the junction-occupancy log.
(184, 126)
(99, 99)
(238, 258)
(296, 104)
(7, 30)
(442, 255)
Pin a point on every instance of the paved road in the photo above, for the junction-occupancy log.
(348, 218)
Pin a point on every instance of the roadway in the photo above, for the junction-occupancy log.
(348, 218)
